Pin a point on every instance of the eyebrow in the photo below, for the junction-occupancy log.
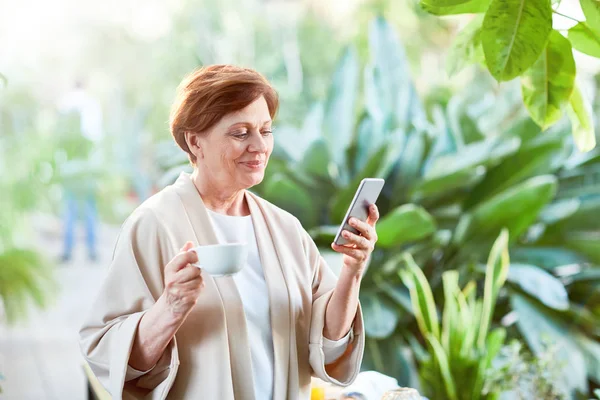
(249, 123)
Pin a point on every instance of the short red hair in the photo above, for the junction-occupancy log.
(209, 93)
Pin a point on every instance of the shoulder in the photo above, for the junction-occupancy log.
(155, 212)
(279, 213)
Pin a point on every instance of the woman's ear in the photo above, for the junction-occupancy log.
(193, 141)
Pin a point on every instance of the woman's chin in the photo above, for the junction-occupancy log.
(253, 178)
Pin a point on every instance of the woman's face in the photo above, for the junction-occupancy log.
(234, 153)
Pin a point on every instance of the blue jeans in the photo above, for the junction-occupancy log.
(75, 205)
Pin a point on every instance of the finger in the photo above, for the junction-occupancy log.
(187, 273)
(365, 229)
(181, 260)
(373, 215)
(189, 286)
(361, 242)
(357, 254)
(187, 246)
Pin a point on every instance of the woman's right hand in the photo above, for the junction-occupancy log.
(183, 282)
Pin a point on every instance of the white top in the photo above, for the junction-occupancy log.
(254, 293)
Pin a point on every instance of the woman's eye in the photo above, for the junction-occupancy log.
(266, 132)
(241, 135)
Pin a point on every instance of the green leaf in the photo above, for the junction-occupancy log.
(529, 161)
(582, 218)
(584, 39)
(390, 93)
(433, 186)
(514, 35)
(582, 123)
(591, 353)
(559, 210)
(443, 365)
(421, 298)
(404, 224)
(591, 10)
(292, 198)
(585, 243)
(399, 293)
(495, 276)
(515, 208)
(540, 284)
(468, 7)
(323, 233)
(391, 356)
(466, 47)
(409, 165)
(339, 107)
(493, 345)
(539, 326)
(379, 165)
(25, 277)
(317, 159)
(445, 3)
(452, 329)
(379, 313)
(548, 84)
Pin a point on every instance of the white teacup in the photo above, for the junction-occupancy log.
(222, 259)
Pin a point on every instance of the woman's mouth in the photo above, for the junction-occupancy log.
(253, 164)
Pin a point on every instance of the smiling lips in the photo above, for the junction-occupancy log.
(257, 164)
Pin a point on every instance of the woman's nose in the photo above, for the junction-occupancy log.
(258, 144)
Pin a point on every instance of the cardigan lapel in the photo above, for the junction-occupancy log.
(279, 301)
(237, 333)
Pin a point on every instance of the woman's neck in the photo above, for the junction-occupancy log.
(218, 199)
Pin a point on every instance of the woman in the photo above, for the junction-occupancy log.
(160, 327)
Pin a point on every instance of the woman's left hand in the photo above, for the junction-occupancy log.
(359, 247)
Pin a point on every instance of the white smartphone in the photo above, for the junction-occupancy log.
(367, 193)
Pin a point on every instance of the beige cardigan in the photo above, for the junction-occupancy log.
(209, 358)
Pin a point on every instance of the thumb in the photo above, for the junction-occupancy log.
(188, 245)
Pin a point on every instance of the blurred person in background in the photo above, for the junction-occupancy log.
(162, 327)
(80, 133)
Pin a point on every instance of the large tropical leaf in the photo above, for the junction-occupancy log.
(466, 47)
(546, 257)
(495, 275)
(591, 10)
(585, 39)
(582, 123)
(421, 297)
(392, 357)
(515, 208)
(466, 7)
(560, 210)
(404, 224)
(531, 160)
(539, 327)
(409, 166)
(514, 33)
(292, 197)
(548, 84)
(379, 313)
(379, 165)
(339, 120)
(390, 93)
(539, 284)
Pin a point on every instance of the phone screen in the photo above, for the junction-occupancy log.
(367, 193)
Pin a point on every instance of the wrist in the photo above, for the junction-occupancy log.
(167, 312)
(352, 273)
